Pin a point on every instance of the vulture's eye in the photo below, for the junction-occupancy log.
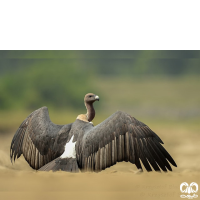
(90, 96)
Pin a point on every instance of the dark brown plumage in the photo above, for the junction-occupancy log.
(47, 146)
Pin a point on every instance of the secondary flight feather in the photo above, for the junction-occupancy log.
(80, 146)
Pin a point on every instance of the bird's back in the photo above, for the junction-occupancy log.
(68, 161)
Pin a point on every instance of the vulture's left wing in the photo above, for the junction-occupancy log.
(38, 139)
(122, 138)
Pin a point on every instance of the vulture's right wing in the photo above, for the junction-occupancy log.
(38, 139)
(122, 138)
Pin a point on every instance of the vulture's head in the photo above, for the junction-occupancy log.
(90, 98)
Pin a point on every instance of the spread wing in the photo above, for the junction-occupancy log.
(38, 139)
(122, 138)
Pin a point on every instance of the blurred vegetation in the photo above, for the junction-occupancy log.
(37, 86)
(147, 84)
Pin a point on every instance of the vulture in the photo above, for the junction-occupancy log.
(81, 146)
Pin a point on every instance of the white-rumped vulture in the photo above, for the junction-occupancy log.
(82, 146)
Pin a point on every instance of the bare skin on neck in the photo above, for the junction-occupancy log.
(89, 99)
(90, 111)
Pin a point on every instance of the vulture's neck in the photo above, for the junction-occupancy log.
(90, 111)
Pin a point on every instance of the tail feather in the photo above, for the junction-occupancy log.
(63, 164)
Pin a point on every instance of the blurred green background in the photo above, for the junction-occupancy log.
(159, 87)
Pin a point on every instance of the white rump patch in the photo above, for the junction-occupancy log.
(70, 151)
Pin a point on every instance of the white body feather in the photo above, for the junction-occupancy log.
(70, 151)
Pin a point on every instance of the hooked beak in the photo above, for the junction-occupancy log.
(96, 98)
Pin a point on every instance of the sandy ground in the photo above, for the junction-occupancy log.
(19, 181)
